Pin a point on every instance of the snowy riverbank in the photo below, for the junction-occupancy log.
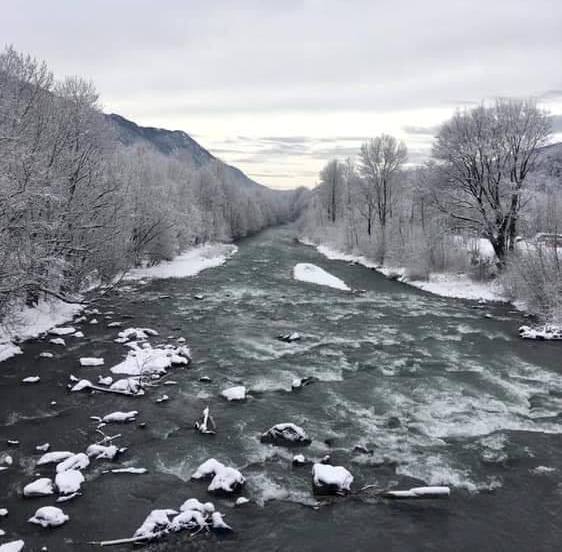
(29, 322)
(188, 263)
(458, 286)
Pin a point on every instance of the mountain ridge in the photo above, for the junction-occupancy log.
(175, 143)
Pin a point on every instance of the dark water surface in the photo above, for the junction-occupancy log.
(439, 392)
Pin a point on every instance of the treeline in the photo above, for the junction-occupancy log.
(78, 207)
(491, 180)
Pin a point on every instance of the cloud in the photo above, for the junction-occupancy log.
(421, 130)
(278, 83)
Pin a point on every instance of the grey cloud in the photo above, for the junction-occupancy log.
(203, 62)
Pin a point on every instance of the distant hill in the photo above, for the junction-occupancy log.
(175, 143)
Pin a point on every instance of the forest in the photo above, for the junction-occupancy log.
(79, 205)
(487, 204)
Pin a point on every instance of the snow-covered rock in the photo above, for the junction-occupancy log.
(329, 479)
(12, 546)
(78, 334)
(120, 417)
(107, 380)
(44, 447)
(58, 341)
(188, 519)
(46, 355)
(547, 332)
(287, 434)
(241, 500)
(312, 274)
(237, 393)
(137, 334)
(31, 379)
(81, 385)
(91, 361)
(289, 337)
(75, 462)
(218, 523)
(208, 469)
(299, 383)
(49, 516)
(299, 460)
(62, 330)
(40, 487)
(226, 481)
(130, 386)
(69, 481)
(419, 492)
(53, 457)
(152, 361)
(155, 524)
(194, 504)
(102, 452)
(7, 460)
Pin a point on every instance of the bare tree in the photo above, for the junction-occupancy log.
(486, 154)
(331, 187)
(380, 160)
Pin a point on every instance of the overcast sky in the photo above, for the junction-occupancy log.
(278, 87)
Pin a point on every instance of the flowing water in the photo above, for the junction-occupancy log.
(438, 391)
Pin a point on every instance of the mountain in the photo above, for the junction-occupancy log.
(175, 143)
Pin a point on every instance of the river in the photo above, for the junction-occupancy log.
(438, 391)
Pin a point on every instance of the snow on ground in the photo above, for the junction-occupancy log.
(31, 322)
(461, 286)
(189, 263)
(458, 286)
(312, 274)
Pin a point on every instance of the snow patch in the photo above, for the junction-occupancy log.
(189, 263)
(312, 274)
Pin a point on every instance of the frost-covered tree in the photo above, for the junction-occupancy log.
(485, 155)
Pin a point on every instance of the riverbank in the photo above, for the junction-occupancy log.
(29, 322)
(457, 286)
(401, 388)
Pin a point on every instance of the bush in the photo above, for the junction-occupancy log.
(533, 275)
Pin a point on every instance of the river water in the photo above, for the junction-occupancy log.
(438, 391)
